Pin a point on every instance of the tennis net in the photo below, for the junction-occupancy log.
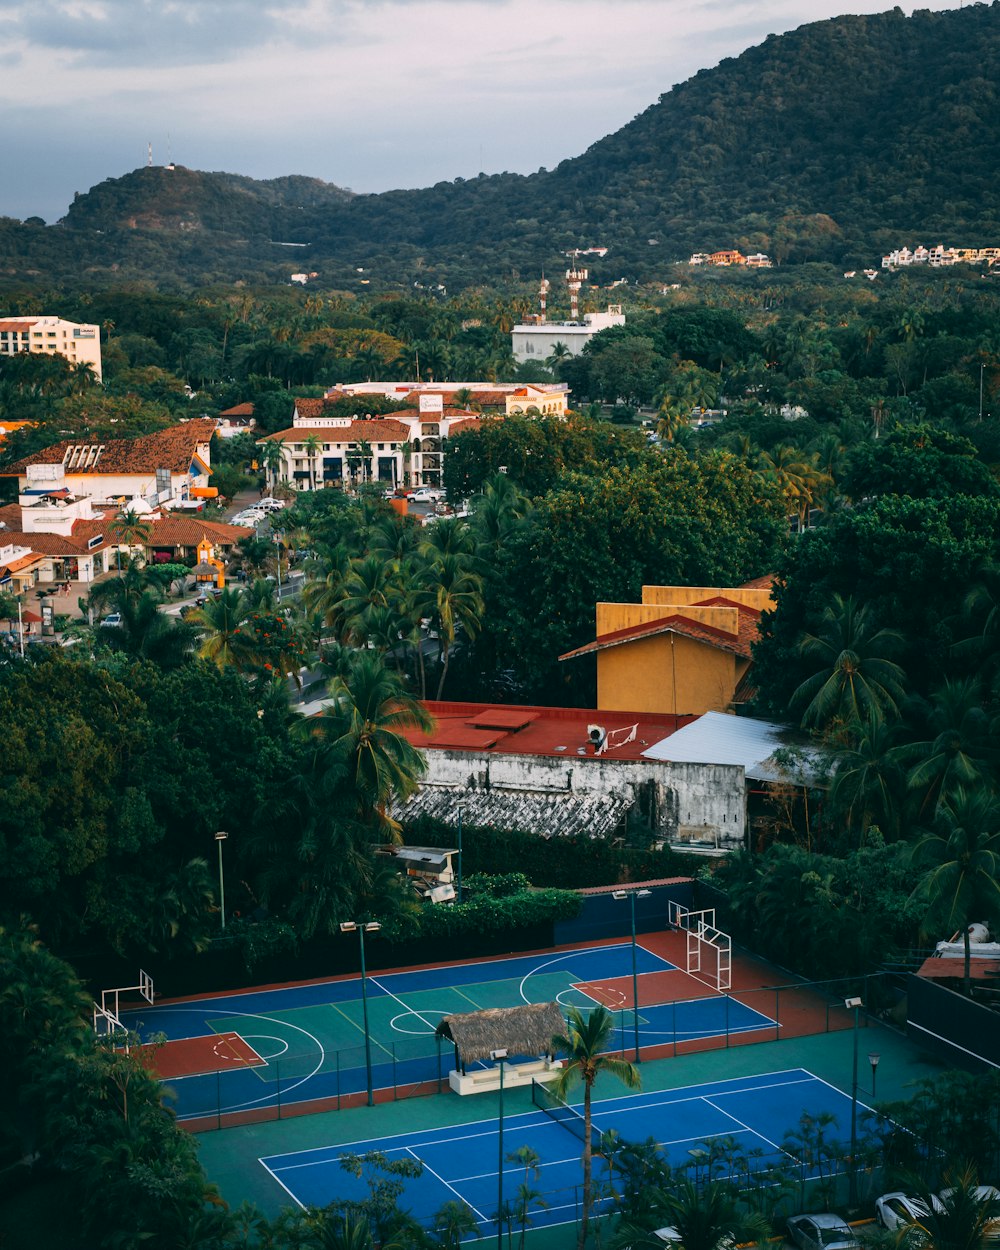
(556, 1109)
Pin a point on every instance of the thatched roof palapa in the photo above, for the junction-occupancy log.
(527, 1030)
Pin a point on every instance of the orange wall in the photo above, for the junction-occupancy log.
(751, 597)
(667, 673)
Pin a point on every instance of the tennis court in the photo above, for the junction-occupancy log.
(242, 1055)
(461, 1162)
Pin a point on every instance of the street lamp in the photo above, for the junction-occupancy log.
(459, 881)
(361, 928)
(873, 1059)
(220, 837)
(854, 1003)
(277, 552)
(500, 1056)
(632, 895)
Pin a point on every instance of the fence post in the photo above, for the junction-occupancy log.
(338, 1080)
(674, 1006)
(777, 1013)
(277, 1091)
(218, 1097)
(727, 1021)
(438, 1039)
(395, 1091)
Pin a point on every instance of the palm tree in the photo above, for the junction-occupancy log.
(961, 862)
(585, 1043)
(964, 1216)
(857, 679)
(453, 599)
(131, 530)
(705, 1217)
(222, 643)
(312, 444)
(868, 783)
(272, 457)
(364, 726)
(958, 750)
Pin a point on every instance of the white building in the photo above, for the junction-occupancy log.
(537, 340)
(550, 399)
(80, 344)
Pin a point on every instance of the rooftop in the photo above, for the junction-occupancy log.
(172, 448)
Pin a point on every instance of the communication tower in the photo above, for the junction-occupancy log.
(575, 278)
(543, 291)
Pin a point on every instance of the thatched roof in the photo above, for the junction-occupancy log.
(527, 1030)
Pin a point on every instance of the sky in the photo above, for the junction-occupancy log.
(368, 94)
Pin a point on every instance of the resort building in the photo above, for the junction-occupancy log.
(80, 344)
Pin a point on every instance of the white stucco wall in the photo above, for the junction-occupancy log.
(702, 803)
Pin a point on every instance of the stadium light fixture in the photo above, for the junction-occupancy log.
(220, 837)
(854, 1004)
(500, 1056)
(361, 928)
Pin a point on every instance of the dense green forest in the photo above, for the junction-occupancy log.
(834, 142)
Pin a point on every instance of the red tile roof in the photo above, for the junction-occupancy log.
(675, 624)
(173, 449)
(239, 410)
(175, 530)
(383, 431)
(16, 325)
(759, 583)
(549, 731)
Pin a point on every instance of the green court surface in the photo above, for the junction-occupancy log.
(231, 1155)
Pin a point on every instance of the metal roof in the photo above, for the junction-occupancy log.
(717, 738)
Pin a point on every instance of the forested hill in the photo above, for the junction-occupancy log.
(833, 142)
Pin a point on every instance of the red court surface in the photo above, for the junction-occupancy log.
(195, 1056)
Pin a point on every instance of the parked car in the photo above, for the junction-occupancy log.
(268, 504)
(896, 1210)
(248, 518)
(821, 1232)
(986, 1194)
(426, 494)
(112, 621)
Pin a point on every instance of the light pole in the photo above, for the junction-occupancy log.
(856, 1004)
(459, 881)
(500, 1056)
(277, 552)
(361, 928)
(632, 895)
(220, 837)
(873, 1059)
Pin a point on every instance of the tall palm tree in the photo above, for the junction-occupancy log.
(453, 599)
(272, 457)
(958, 748)
(129, 529)
(312, 445)
(856, 678)
(585, 1044)
(869, 783)
(365, 726)
(961, 862)
(222, 643)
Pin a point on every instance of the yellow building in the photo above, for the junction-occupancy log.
(80, 344)
(685, 650)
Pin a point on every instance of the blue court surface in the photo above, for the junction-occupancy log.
(460, 1163)
(306, 1042)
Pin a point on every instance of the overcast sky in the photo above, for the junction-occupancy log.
(369, 94)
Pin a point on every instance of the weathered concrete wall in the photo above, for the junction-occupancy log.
(703, 803)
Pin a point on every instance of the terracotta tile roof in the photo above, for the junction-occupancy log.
(748, 627)
(239, 410)
(310, 407)
(17, 325)
(384, 431)
(25, 562)
(173, 449)
(187, 531)
(759, 583)
(470, 423)
(51, 544)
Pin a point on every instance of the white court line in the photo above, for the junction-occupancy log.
(280, 1182)
(427, 1168)
(743, 1126)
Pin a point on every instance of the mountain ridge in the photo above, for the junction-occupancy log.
(833, 142)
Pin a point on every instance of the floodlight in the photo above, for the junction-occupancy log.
(496, 1055)
(852, 1002)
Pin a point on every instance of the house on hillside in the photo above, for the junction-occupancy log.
(683, 651)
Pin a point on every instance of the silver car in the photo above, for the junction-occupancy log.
(821, 1232)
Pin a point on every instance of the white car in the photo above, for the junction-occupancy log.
(898, 1210)
(247, 518)
(268, 504)
(426, 494)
